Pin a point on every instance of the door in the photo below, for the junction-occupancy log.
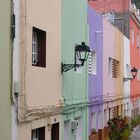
(55, 131)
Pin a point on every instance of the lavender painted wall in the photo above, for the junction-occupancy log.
(95, 22)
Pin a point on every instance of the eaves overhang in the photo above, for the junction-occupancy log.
(135, 19)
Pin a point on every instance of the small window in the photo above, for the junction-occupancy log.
(115, 111)
(93, 117)
(38, 47)
(127, 109)
(138, 40)
(113, 68)
(105, 117)
(92, 63)
(132, 36)
(38, 134)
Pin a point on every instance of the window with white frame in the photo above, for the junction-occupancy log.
(113, 68)
(138, 40)
(38, 47)
(138, 74)
(92, 63)
(132, 35)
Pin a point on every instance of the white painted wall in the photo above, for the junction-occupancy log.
(79, 129)
(127, 61)
(15, 67)
(67, 130)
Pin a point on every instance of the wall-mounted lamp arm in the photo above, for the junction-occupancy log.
(127, 79)
(81, 52)
(67, 67)
(133, 72)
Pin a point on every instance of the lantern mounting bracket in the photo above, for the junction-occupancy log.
(133, 72)
(127, 79)
(67, 67)
(81, 52)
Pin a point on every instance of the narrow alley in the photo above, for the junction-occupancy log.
(135, 134)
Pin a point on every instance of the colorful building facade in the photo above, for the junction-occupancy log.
(38, 100)
(106, 64)
(37, 71)
(135, 62)
(95, 96)
(74, 82)
(112, 71)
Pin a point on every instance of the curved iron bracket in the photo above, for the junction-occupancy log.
(67, 67)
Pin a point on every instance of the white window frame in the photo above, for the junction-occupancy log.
(132, 35)
(34, 48)
(138, 40)
(93, 63)
(113, 68)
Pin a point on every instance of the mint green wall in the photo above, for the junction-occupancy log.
(74, 31)
(5, 71)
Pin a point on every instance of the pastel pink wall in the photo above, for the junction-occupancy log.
(108, 51)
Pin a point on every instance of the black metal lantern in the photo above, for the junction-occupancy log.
(82, 53)
(133, 72)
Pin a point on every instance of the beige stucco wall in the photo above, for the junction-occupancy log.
(119, 56)
(41, 86)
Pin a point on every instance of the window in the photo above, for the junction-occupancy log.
(113, 68)
(38, 47)
(138, 75)
(93, 117)
(38, 134)
(138, 40)
(115, 111)
(92, 63)
(132, 35)
(105, 117)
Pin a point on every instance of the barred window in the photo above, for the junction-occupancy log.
(92, 63)
(113, 68)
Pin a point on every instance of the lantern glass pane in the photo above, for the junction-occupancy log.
(133, 74)
(83, 55)
(87, 54)
(78, 54)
